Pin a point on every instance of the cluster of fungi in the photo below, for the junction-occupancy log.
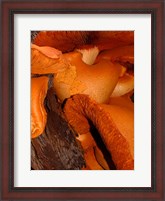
(82, 110)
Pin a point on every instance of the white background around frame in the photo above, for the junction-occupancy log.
(23, 175)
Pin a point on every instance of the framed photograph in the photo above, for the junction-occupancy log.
(82, 100)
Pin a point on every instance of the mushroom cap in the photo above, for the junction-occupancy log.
(80, 108)
(39, 87)
(65, 41)
(46, 60)
(98, 80)
(125, 85)
(112, 39)
(123, 101)
(123, 53)
(123, 117)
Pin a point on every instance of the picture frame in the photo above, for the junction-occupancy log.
(156, 9)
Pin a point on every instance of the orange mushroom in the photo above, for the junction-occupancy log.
(94, 81)
(67, 41)
(46, 60)
(97, 80)
(64, 41)
(106, 40)
(89, 146)
(125, 85)
(119, 54)
(123, 101)
(122, 55)
(81, 108)
(39, 88)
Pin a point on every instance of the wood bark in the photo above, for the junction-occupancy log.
(56, 148)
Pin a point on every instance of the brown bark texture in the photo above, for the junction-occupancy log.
(56, 148)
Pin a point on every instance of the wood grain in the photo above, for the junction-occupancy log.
(56, 148)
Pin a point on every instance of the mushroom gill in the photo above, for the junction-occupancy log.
(80, 108)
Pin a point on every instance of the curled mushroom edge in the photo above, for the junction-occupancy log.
(39, 87)
(79, 108)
